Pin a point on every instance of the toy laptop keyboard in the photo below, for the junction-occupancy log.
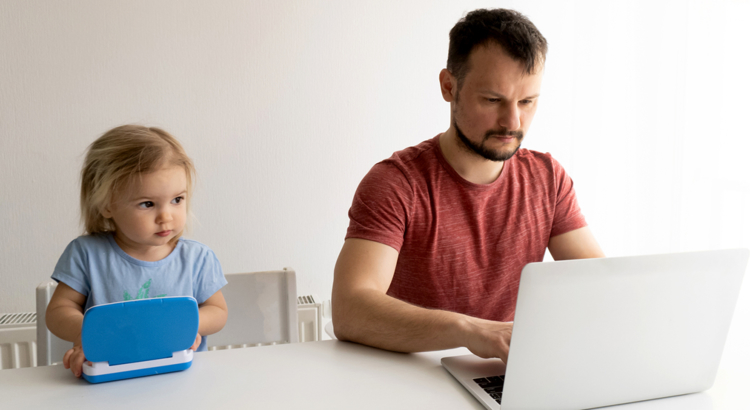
(138, 338)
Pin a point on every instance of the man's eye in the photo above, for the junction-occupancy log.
(526, 102)
(146, 204)
(493, 100)
(178, 200)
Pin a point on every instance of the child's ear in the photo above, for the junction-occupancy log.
(106, 212)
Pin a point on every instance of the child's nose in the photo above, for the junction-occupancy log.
(165, 216)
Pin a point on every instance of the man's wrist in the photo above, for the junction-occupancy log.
(463, 330)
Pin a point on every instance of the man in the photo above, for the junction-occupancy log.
(440, 231)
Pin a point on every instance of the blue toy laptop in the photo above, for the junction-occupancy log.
(138, 338)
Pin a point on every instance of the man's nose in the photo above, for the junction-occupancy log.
(510, 117)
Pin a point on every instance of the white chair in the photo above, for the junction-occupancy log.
(329, 331)
(262, 309)
(50, 349)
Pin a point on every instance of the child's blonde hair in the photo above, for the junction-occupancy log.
(117, 159)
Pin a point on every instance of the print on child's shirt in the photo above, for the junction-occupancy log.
(142, 293)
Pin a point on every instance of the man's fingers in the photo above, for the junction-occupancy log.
(490, 339)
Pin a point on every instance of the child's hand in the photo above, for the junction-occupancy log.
(74, 358)
(197, 343)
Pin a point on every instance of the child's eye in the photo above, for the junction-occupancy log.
(146, 204)
(178, 200)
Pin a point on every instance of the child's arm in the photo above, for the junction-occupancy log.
(64, 319)
(212, 317)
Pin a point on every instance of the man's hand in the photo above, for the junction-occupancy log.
(74, 358)
(488, 339)
(197, 343)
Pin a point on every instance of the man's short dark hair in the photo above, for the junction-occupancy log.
(511, 30)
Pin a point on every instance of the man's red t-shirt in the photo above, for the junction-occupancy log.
(462, 245)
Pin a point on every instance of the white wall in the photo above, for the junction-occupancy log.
(285, 105)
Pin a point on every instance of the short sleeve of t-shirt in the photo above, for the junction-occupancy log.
(210, 277)
(568, 215)
(381, 206)
(71, 268)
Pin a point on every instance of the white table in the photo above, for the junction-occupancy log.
(315, 375)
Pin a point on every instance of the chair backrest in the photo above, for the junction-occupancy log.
(262, 309)
(50, 349)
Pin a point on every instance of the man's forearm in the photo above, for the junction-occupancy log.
(372, 318)
(364, 313)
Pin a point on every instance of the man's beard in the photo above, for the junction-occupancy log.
(485, 152)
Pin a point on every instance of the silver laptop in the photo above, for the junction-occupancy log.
(599, 332)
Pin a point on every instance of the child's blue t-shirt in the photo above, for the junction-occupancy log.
(96, 267)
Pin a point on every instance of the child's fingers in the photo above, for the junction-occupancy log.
(76, 363)
(197, 342)
(66, 358)
(73, 360)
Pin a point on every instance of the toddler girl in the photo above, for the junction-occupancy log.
(135, 191)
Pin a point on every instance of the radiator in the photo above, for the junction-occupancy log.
(18, 333)
(17, 340)
(310, 317)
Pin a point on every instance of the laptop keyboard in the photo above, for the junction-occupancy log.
(493, 386)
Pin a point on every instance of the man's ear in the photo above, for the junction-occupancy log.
(448, 85)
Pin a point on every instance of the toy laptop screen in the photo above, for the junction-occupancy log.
(136, 331)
